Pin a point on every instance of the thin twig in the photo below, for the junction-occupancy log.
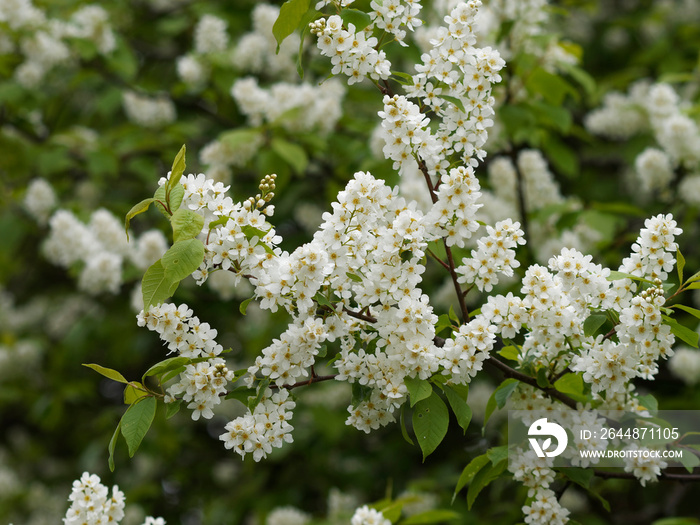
(443, 263)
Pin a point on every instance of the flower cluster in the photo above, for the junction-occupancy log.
(652, 257)
(149, 112)
(685, 364)
(40, 200)
(91, 504)
(352, 52)
(263, 429)
(295, 107)
(539, 186)
(100, 248)
(656, 108)
(201, 384)
(494, 255)
(393, 15)
(645, 465)
(545, 509)
(257, 50)
(464, 355)
(45, 42)
(366, 516)
(455, 69)
(210, 35)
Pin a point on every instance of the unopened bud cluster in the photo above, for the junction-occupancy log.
(267, 192)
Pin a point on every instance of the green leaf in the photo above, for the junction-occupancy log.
(354, 277)
(186, 224)
(360, 393)
(175, 199)
(431, 516)
(453, 315)
(122, 60)
(177, 170)
(358, 18)
(234, 139)
(553, 116)
(456, 101)
(430, 421)
(474, 466)
(694, 277)
(391, 511)
(402, 422)
(592, 323)
(682, 332)
(572, 385)
(680, 264)
(581, 76)
(553, 88)
(291, 13)
(244, 305)
(459, 406)
(136, 421)
(580, 476)
(252, 231)
(107, 372)
(615, 275)
(133, 392)
(221, 221)
(504, 391)
(689, 460)
(563, 158)
(304, 30)
(649, 402)
(404, 78)
(693, 311)
(497, 454)
(323, 301)
(167, 376)
(172, 408)
(482, 479)
(510, 352)
(293, 154)
(255, 401)
(418, 389)
(542, 379)
(112, 445)
(155, 287)
(183, 258)
(133, 212)
(490, 407)
(166, 365)
(241, 393)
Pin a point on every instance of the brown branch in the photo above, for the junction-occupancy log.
(424, 170)
(314, 379)
(443, 263)
(529, 380)
(450, 259)
(360, 316)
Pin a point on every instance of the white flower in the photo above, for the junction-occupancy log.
(40, 200)
(366, 516)
(210, 35)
